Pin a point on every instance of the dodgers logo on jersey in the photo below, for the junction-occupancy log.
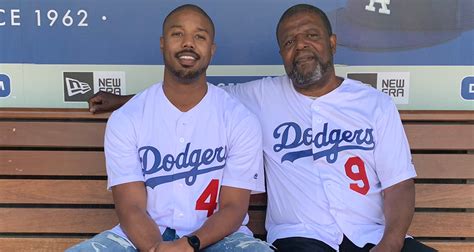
(291, 136)
(188, 161)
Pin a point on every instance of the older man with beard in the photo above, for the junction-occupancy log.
(338, 164)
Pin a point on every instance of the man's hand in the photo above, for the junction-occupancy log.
(399, 206)
(180, 245)
(130, 205)
(103, 102)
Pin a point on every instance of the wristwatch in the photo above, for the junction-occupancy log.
(194, 242)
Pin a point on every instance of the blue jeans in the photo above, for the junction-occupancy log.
(110, 242)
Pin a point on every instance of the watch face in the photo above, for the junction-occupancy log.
(194, 242)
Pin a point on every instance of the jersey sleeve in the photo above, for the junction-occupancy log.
(393, 159)
(244, 164)
(249, 93)
(120, 146)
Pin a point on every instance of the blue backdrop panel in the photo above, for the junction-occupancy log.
(435, 32)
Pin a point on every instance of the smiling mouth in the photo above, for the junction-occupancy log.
(187, 58)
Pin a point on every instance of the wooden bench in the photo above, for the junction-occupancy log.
(53, 182)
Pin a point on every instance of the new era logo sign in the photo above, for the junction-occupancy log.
(5, 86)
(75, 87)
(78, 86)
(394, 84)
(367, 78)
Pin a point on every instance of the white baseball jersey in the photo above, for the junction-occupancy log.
(184, 157)
(327, 159)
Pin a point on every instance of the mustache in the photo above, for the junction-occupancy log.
(298, 58)
(188, 52)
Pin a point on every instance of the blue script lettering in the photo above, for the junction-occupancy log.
(291, 136)
(183, 160)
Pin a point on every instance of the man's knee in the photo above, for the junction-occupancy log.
(103, 242)
(239, 242)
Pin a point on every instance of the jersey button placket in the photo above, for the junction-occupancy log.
(316, 109)
(181, 130)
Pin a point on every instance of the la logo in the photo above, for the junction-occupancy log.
(383, 3)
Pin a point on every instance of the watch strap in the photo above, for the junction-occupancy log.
(194, 242)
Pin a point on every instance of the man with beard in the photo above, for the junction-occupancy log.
(338, 164)
(182, 156)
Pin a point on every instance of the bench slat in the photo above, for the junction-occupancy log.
(451, 246)
(440, 137)
(92, 163)
(437, 115)
(30, 191)
(445, 195)
(37, 244)
(50, 113)
(67, 113)
(90, 134)
(52, 134)
(438, 224)
(56, 220)
(444, 166)
(77, 221)
(55, 163)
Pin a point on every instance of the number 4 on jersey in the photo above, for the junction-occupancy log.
(210, 193)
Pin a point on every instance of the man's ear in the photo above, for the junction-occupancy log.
(333, 43)
(213, 49)
(162, 40)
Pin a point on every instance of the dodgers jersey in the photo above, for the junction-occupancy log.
(327, 159)
(184, 157)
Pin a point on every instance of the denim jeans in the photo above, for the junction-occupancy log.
(110, 242)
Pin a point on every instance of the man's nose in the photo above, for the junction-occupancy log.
(188, 41)
(301, 41)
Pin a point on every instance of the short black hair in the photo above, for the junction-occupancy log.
(299, 8)
(194, 8)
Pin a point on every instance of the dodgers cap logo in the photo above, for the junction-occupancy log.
(386, 25)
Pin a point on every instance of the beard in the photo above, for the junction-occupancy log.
(307, 78)
(184, 74)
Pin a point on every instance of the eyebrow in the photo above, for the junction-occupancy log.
(310, 29)
(199, 28)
